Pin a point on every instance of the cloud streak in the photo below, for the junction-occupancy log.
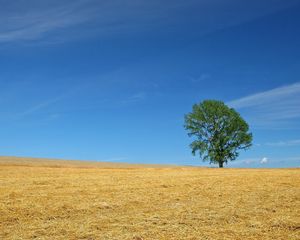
(267, 97)
(289, 143)
(278, 106)
(51, 101)
(41, 106)
(35, 20)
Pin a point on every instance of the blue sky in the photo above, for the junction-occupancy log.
(111, 81)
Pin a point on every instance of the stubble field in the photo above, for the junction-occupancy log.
(46, 199)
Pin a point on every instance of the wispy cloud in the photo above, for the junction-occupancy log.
(267, 97)
(35, 20)
(272, 107)
(40, 106)
(203, 77)
(32, 21)
(284, 143)
(137, 97)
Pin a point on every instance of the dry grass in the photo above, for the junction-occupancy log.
(63, 201)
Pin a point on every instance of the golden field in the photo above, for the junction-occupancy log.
(47, 199)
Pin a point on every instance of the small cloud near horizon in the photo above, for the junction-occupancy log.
(264, 160)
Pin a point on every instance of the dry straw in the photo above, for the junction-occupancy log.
(65, 200)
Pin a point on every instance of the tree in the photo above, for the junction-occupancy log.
(220, 132)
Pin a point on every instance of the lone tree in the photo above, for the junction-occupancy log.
(219, 130)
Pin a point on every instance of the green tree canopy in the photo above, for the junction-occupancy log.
(219, 132)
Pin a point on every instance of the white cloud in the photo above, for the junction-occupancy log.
(284, 161)
(264, 160)
(277, 106)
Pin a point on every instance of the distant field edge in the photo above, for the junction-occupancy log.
(69, 163)
(60, 163)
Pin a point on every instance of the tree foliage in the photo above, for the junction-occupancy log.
(219, 131)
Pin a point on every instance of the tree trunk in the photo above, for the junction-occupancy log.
(221, 164)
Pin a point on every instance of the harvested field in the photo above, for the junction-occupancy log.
(46, 199)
